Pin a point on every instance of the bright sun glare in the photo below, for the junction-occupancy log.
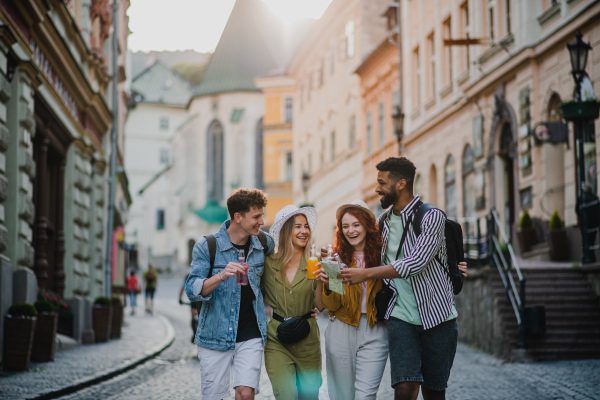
(198, 24)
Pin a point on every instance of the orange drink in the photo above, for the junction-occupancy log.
(311, 267)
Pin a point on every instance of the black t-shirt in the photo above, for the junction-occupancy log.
(247, 323)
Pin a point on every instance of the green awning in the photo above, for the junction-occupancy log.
(212, 213)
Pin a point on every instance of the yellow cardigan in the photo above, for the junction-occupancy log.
(347, 307)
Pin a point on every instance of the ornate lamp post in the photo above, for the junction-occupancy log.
(578, 52)
(398, 117)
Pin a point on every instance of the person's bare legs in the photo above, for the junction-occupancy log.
(406, 390)
(244, 393)
(429, 394)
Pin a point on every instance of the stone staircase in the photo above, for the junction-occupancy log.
(572, 314)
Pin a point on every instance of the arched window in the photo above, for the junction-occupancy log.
(259, 155)
(214, 156)
(450, 187)
(553, 113)
(468, 175)
(417, 186)
(433, 185)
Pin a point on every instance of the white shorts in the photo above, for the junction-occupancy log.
(246, 360)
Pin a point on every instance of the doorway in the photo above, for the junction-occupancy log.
(506, 154)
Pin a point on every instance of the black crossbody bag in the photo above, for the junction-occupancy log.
(384, 296)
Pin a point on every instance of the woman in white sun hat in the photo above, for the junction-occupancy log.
(356, 343)
(293, 363)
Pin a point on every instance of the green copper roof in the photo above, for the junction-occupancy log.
(212, 213)
(159, 84)
(252, 44)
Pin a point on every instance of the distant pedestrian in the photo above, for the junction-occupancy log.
(233, 331)
(133, 286)
(150, 280)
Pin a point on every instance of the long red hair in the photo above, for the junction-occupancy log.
(372, 243)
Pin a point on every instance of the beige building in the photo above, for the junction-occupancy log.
(471, 109)
(327, 107)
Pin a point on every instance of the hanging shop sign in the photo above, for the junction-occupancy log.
(42, 62)
(550, 132)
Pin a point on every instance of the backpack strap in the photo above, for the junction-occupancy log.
(419, 214)
(382, 219)
(212, 251)
(262, 237)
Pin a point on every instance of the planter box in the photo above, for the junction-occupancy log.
(526, 238)
(65, 323)
(101, 321)
(18, 340)
(580, 110)
(559, 250)
(117, 322)
(44, 338)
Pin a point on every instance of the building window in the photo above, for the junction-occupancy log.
(301, 95)
(164, 123)
(288, 166)
(259, 155)
(164, 156)
(332, 145)
(350, 39)
(160, 220)
(381, 126)
(322, 71)
(417, 186)
(507, 17)
(332, 59)
(323, 153)
(431, 51)
(468, 174)
(416, 79)
(310, 168)
(288, 109)
(465, 30)
(447, 77)
(369, 133)
(352, 132)
(450, 187)
(214, 156)
(491, 19)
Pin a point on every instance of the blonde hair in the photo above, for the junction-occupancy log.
(285, 250)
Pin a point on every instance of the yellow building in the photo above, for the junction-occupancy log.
(277, 171)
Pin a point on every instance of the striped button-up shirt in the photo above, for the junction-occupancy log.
(429, 280)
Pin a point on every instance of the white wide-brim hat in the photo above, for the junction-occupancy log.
(286, 213)
(358, 203)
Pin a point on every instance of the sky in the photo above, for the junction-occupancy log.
(198, 24)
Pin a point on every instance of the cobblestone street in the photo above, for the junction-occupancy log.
(175, 373)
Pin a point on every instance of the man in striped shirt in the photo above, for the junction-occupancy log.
(421, 315)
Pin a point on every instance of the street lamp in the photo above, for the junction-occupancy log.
(578, 52)
(398, 117)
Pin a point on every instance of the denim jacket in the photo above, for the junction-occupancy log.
(217, 325)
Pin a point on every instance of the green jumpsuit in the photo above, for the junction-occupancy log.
(294, 369)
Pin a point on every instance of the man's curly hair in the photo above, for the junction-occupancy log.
(242, 200)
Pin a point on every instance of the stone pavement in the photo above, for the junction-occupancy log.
(142, 338)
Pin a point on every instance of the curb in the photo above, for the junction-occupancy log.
(126, 366)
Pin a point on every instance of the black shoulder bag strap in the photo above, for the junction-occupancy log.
(212, 251)
(262, 237)
(406, 229)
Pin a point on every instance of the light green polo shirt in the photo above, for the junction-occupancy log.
(405, 308)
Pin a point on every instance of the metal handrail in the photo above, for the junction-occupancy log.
(515, 296)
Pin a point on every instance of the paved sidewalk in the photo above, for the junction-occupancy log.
(142, 338)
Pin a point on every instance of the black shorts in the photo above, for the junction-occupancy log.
(150, 292)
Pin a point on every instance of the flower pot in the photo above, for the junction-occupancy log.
(117, 321)
(575, 110)
(559, 250)
(18, 340)
(526, 238)
(65, 322)
(101, 321)
(44, 338)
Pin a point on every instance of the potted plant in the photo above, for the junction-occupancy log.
(19, 326)
(44, 338)
(558, 238)
(61, 306)
(117, 317)
(102, 318)
(526, 232)
(574, 110)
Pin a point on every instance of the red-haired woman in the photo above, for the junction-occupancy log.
(356, 345)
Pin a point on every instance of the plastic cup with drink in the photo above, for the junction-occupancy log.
(242, 278)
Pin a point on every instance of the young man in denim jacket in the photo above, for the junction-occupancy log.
(232, 329)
